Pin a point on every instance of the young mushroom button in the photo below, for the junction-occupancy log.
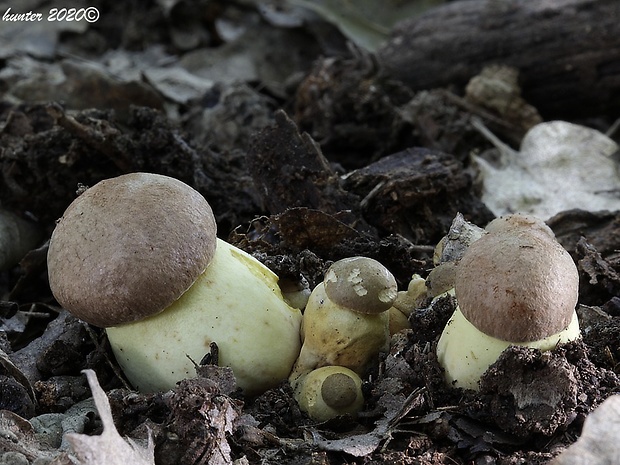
(328, 392)
(138, 255)
(345, 322)
(362, 284)
(515, 285)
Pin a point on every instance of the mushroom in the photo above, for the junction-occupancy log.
(515, 285)
(328, 392)
(406, 302)
(346, 322)
(138, 255)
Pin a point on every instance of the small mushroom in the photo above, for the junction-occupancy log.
(398, 321)
(138, 255)
(406, 302)
(329, 392)
(295, 292)
(515, 285)
(346, 321)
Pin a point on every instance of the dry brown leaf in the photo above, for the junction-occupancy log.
(109, 448)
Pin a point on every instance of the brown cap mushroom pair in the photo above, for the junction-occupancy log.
(138, 254)
(515, 285)
(345, 326)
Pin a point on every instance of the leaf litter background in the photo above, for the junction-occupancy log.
(308, 152)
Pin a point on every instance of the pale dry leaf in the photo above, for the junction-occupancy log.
(361, 445)
(599, 443)
(560, 166)
(109, 448)
(18, 436)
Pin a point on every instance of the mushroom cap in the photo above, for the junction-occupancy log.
(128, 247)
(517, 284)
(519, 220)
(328, 392)
(339, 390)
(361, 284)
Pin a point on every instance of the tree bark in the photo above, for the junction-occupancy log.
(567, 51)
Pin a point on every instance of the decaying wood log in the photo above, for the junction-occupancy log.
(567, 51)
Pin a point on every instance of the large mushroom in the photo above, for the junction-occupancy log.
(138, 255)
(515, 285)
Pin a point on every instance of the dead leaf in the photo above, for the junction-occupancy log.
(361, 445)
(202, 418)
(367, 23)
(560, 166)
(17, 435)
(109, 448)
(599, 443)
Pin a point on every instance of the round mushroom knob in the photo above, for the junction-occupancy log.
(328, 392)
(361, 284)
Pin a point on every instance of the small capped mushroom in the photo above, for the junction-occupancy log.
(346, 321)
(138, 255)
(362, 284)
(328, 392)
(515, 285)
(295, 293)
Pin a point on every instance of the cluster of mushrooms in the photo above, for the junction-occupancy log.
(138, 255)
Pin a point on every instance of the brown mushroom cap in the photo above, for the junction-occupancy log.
(517, 284)
(128, 247)
(339, 390)
(361, 284)
(519, 220)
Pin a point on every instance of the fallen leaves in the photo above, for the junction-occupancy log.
(109, 448)
(560, 166)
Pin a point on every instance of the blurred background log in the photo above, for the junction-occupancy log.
(567, 51)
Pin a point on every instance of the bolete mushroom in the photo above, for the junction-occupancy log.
(346, 322)
(138, 255)
(328, 392)
(515, 285)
